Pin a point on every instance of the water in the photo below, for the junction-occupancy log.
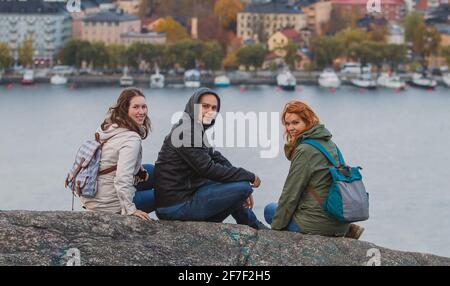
(400, 139)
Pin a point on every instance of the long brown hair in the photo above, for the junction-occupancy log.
(118, 114)
(304, 111)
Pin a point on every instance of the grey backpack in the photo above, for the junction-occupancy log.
(347, 198)
(82, 177)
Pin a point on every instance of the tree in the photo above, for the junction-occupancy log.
(26, 52)
(395, 54)
(173, 30)
(212, 56)
(326, 50)
(230, 61)
(116, 56)
(135, 54)
(351, 38)
(253, 55)
(75, 52)
(341, 19)
(432, 40)
(100, 55)
(378, 33)
(5, 56)
(376, 51)
(68, 53)
(369, 52)
(445, 52)
(292, 56)
(184, 53)
(153, 53)
(227, 11)
(85, 54)
(412, 23)
(209, 29)
(425, 40)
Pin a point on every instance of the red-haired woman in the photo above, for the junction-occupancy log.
(128, 188)
(297, 209)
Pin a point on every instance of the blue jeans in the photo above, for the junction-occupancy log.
(269, 213)
(214, 202)
(144, 197)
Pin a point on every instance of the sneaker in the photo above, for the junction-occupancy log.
(260, 226)
(354, 231)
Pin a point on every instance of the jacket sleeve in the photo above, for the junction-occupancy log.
(124, 179)
(203, 164)
(220, 159)
(296, 183)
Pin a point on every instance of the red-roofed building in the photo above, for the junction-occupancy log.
(391, 10)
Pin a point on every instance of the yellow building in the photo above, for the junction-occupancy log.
(108, 27)
(280, 39)
(260, 21)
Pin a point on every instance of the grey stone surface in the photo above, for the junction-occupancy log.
(48, 238)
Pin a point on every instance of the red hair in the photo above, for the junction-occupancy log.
(303, 110)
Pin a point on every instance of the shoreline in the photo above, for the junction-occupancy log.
(303, 78)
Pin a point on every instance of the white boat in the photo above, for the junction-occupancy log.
(58, 79)
(157, 79)
(329, 79)
(365, 81)
(222, 81)
(28, 77)
(286, 81)
(423, 81)
(391, 81)
(192, 78)
(126, 80)
(446, 79)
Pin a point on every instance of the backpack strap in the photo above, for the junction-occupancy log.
(319, 147)
(110, 169)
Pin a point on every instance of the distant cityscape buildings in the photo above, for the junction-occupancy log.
(47, 23)
(273, 23)
(261, 20)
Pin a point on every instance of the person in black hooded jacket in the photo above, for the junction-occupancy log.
(194, 182)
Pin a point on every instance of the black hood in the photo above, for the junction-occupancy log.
(195, 99)
(188, 128)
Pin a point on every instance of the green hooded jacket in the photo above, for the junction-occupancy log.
(309, 169)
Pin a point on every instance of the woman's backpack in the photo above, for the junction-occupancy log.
(82, 177)
(347, 198)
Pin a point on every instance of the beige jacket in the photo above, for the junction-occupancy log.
(115, 191)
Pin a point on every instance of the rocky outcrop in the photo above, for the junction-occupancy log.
(61, 238)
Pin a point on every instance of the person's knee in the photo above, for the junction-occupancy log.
(245, 188)
(269, 212)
